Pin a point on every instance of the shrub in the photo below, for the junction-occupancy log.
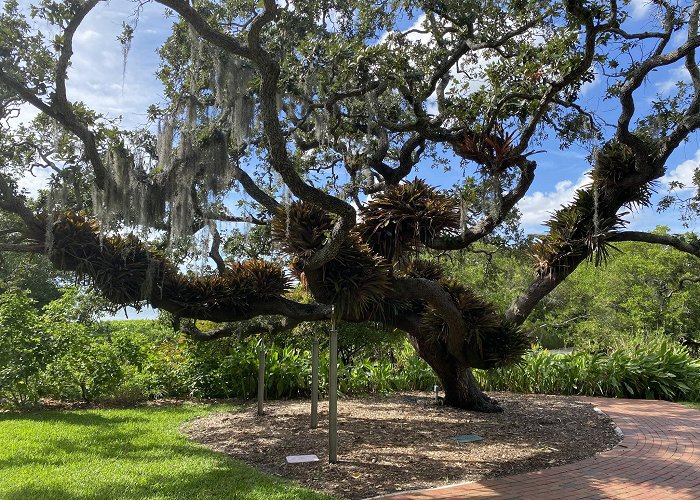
(89, 364)
(25, 348)
(660, 369)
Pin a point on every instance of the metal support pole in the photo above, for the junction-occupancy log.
(333, 394)
(261, 377)
(314, 383)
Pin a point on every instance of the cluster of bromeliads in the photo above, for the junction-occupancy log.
(362, 280)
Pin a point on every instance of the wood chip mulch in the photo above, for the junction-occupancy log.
(403, 442)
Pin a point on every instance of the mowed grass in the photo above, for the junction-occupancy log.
(692, 404)
(123, 454)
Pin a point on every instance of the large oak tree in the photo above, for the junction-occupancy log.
(320, 112)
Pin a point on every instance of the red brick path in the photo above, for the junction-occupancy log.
(659, 458)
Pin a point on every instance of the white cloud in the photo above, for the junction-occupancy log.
(684, 172)
(640, 8)
(96, 74)
(675, 75)
(31, 183)
(589, 88)
(538, 206)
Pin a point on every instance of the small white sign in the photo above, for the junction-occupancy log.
(300, 459)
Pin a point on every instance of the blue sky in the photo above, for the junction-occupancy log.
(95, 77)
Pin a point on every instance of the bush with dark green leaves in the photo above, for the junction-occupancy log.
(230, 369)
(89, 365)
(26, 348)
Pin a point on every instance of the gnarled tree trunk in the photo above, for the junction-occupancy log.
(461, 389)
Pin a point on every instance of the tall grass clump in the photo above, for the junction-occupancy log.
(657, 369)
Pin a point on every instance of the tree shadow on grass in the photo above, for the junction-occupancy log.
(70, 418)
(228, 481)
(151, 468)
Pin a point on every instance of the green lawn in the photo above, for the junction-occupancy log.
(691, 404)
(122, 454)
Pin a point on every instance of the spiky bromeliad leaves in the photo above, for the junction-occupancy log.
(396, 222)
(242, 283)
(393, 229)
(577, 230)
(355, 281)
(491, 341)
(128, 273)
(615, 162)
(427, 269)
(495, 152)
(299, 229)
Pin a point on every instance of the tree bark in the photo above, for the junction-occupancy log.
(461, 389)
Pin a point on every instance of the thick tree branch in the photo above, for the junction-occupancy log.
(205, 30)
(657, 239)
(60, 99)
(635, 80)
(432, 293)
(215, 252)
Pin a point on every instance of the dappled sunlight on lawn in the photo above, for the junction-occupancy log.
(135, 453)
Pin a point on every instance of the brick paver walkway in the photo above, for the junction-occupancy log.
(659, 458)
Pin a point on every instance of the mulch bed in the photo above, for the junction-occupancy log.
(402, 442)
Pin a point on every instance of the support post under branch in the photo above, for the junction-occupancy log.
(261, 377)
(314, 383)
(333, 394)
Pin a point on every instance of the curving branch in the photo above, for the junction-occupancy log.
(470, 45)
(432, 293)
(60, 99)
(205, 30)
(15, 203)
(269, 71)
(60, 109)
(257, 327)
(215, 251)
(635, 80)
(490, 221)
(657, 239)
(254, 190)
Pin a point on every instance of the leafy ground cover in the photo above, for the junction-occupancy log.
(126, 453)
(657, 369)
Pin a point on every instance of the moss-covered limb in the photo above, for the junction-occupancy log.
(584, 229)
(126, 272)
